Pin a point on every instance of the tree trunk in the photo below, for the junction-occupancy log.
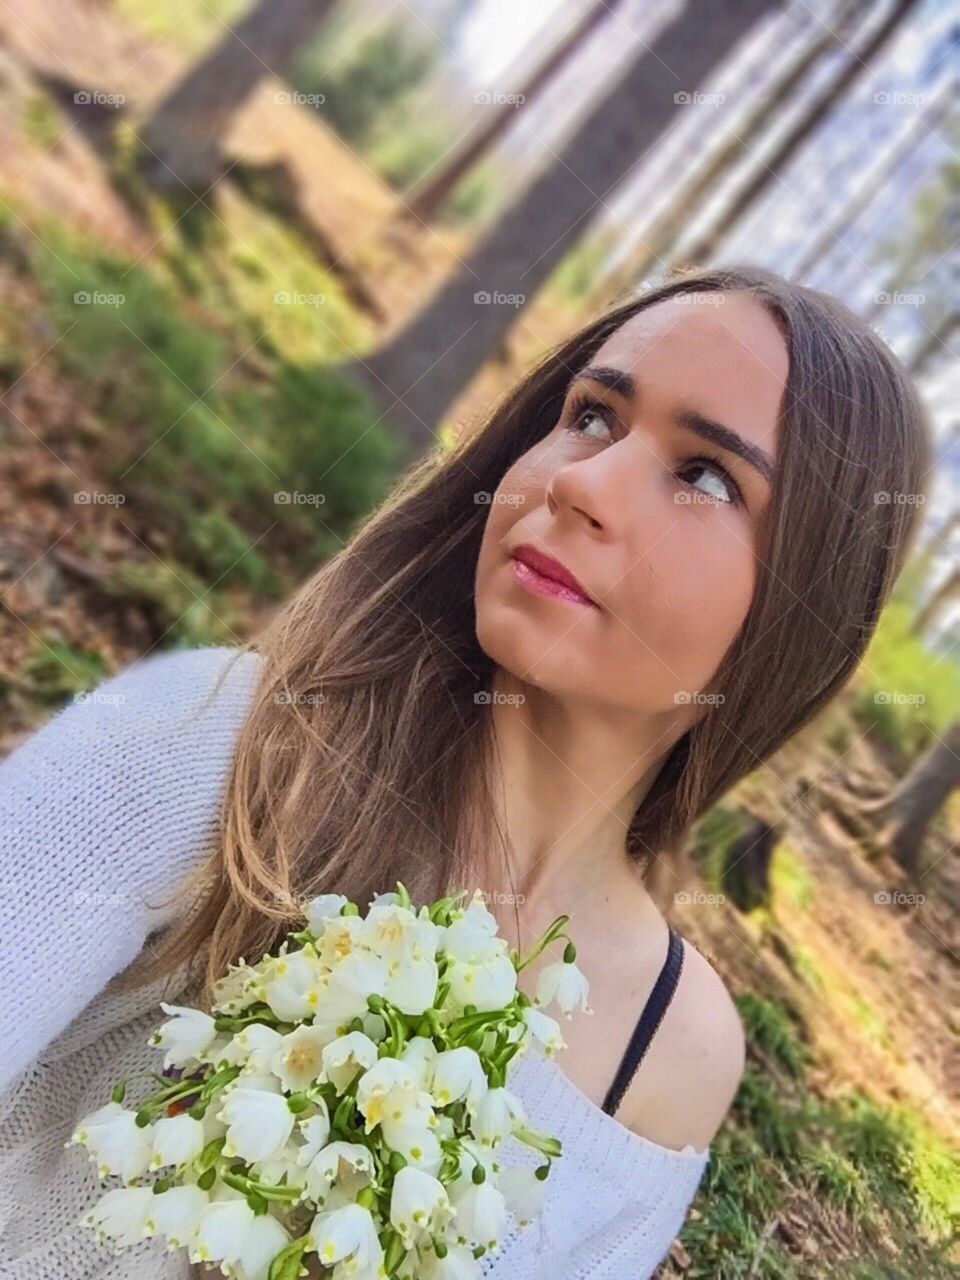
(430, 194)
(698, 183)
(919, 796)
(418, 374)
(948, 590)
(186, 131)
(771, 167)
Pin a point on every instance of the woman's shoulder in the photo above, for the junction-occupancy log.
(692, 1070)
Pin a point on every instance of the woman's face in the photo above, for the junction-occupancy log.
(659, 525)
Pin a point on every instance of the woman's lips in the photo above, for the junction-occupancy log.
(542, 584)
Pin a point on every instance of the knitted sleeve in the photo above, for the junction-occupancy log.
(105, 809)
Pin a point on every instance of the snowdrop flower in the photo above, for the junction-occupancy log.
(298, 1059)
(458, 1073)
(421, 1053)
(395, 934)
(418, 1145)
(234, 991)
(412, 984)
(316, 1133)
(488, 982)
(258, 1123)
(495, 1116)
(544, 1029)
(115, 1141)
(380, 1077)
(230, 1232)
(474, 932)
(280, 1168)
(481, 1213)
(340, 938)
(356, 977)
(176, 1139)
(346, 1056)
(120, 1216)
(185, 1035)
(563, 982)
(418, 1205)
(347, 1232)
(175, 1214)
(524, 1193)
(334, 1162)
(254, 1047)
(322, 909)
(291, 983)
(459, 1264)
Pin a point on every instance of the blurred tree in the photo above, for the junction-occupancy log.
(435, 190)
(919, 797)
(770, 167)
(418, 374)
(184, 135)
(366, 80)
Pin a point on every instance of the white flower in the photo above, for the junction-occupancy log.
(347, 1232)
(473, 934)
(563, 982)
(322, 909)
(544, 1029)
(458, 1073)
(121, 1215)
(495, 1116)
(116, 1142)
(338, 940)
(234, 991)
(481, 1213)
(186, 1035)
(489, 983)
(418, 1205)
(175, 1214)
(419, 1145)
(291, 984)
(316, 1133)
(258, 1122)
(254, 1048)
(334, 1162)
(412, 983)
(421, 1053)
(524, 1193)
(395, 934)
(356, 977)
(459, 1264)
(298, 1059)
(230, 1232)
(176, 1139)
(346, 1056)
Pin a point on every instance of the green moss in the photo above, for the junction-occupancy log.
(769, 1025)
(56, 670)
(790, 879)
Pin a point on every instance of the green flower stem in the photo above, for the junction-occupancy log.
(286, 1265)
(553, 931)
(250, 1186)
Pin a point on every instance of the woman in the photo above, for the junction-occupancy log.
(531, 670)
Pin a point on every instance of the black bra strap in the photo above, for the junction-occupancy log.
(650, 1020)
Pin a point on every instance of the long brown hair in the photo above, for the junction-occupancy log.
(366, 734)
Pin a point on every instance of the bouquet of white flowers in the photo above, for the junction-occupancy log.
(344, 1104)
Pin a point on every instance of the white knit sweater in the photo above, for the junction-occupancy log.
(104, 811)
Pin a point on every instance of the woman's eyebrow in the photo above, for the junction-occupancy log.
(624, 384)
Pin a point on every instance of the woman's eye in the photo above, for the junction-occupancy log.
(583, 415)
(720, 486)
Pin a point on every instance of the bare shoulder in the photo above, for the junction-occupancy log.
(692, 1070)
